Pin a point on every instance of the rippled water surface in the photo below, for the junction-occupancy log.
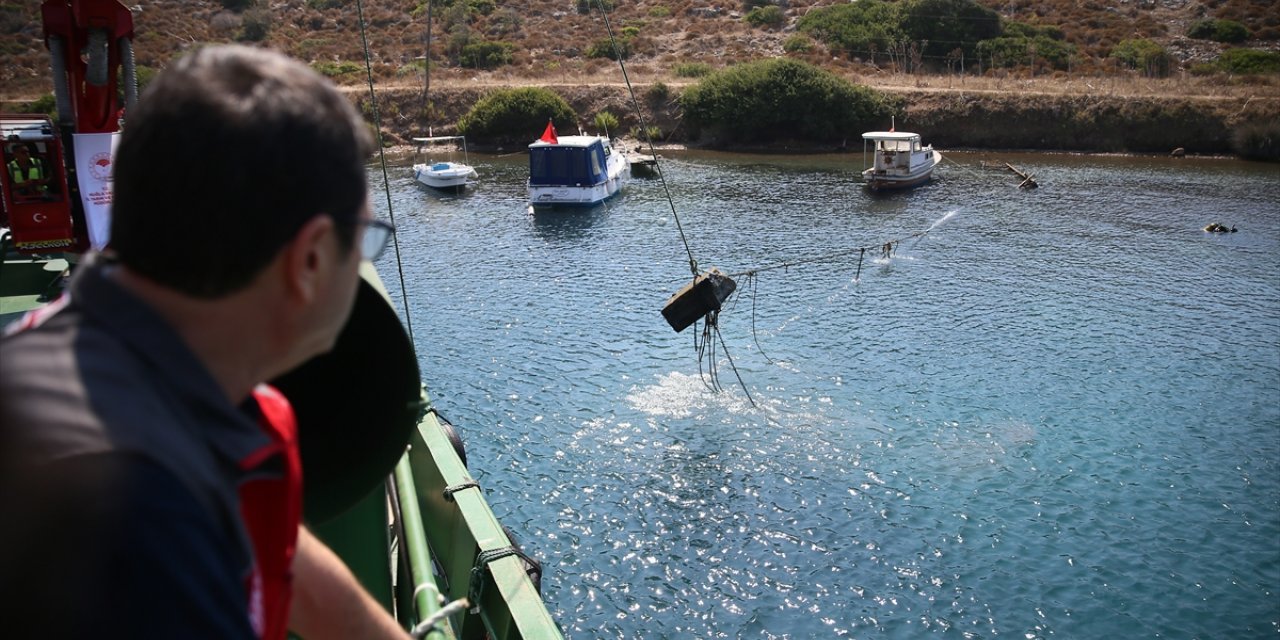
(1056, 414)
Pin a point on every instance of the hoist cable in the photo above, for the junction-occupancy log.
(386, 180)
(635, 104)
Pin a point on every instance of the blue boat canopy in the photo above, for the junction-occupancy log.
(567, 163)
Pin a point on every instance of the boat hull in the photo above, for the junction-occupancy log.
(888, 180)
(444, 175)
(581, 195)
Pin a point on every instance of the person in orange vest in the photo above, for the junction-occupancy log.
(27, 172)
(150, 481)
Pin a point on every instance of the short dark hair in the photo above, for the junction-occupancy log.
(227, 154)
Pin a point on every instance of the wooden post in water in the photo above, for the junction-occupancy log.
(1028, 181)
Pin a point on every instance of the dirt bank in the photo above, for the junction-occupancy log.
(950, 118)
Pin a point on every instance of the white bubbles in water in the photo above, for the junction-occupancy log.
(680, 395)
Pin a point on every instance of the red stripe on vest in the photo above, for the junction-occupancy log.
(272, 510)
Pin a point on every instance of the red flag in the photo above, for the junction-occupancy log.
(550, 134)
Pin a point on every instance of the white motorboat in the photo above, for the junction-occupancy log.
(575, 171)
(898, 160)
(446, 175)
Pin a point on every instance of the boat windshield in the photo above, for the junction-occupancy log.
(899, 145)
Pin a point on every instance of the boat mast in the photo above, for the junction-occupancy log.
(426, 74)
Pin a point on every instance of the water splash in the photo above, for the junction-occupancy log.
(949, 215)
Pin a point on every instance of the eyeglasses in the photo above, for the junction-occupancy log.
(377, 235)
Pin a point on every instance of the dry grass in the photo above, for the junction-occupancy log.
(551, 35)
(1129, 85)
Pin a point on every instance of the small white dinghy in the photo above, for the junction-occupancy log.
(444, 175)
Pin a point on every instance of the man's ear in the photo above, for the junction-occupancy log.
(305, 256)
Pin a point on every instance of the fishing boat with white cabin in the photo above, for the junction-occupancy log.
(898, 160)
(575, 171)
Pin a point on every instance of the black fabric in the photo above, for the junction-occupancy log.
(113, 546)
(102, 401)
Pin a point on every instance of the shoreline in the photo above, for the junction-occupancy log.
(958, 120)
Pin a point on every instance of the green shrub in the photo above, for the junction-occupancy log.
(336, 69)
(1219, 31)
(1144, 55)
(604, 48)
(509, 115)
(413, 67)
(748, 5)
(797, 43)
(1247, 61)
(692, 70)
(606, 122)
(1022, 50)
(946, 24)
(855, 27)
(651, 133)
(1014, 28)
(767, 16)
(658, 92)
(660, 11)
(482, 7)
(1258, 141)
(144, 76)
(782, 97)
(255, 26)
(46, 104)
(486, 55)
(585, 6)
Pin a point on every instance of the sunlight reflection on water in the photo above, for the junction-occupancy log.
(1053, 415)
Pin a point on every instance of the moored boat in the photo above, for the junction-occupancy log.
(898, 160)
(445, 175)
(575, 171)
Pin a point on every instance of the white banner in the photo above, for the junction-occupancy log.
(95, 157)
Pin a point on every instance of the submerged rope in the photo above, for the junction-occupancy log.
(885, 248)
(382, 157)
(961, 166)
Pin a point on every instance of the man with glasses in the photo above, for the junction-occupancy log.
(137, 433)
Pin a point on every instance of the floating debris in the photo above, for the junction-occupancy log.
(1028, 180)
(1218, 227)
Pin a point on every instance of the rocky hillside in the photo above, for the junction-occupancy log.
(551, 39)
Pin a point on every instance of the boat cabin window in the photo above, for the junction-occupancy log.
(566, 166)
(597, 160)
(900, 145)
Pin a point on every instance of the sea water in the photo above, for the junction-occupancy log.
(1041, 413)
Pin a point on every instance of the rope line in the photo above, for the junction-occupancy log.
(635, 104)
(886, 249)
(734, 367)
(432, 623)
(382, 158)
(754, 335)
(476, 588)
(449, 491)
(975, 173)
